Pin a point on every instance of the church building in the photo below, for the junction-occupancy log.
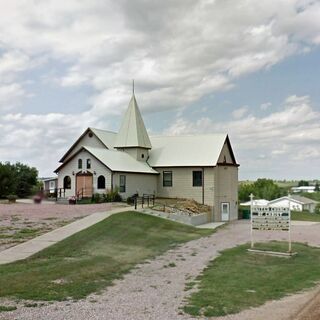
(199, 167)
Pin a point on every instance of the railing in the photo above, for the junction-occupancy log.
(145, 199)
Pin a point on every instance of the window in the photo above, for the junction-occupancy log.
(167, 178)
(79, 163)
(122, 183)
(101, 182)
(88, 163)
(197, 178)
(67, 182)
(142, 156)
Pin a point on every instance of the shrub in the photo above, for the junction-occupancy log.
(97, 198)
(12, 198)
(113, 196)
(317, 209)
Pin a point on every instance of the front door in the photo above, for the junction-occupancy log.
(84, 185)
(225, 211)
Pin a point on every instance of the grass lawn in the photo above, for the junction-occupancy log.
(237, 279)
(305, 216)
(91, 259)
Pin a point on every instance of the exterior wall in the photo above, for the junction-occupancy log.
(86, 141)
(50, 185)
(72, 166)
(226, 190)
(182, 184)
(311, 207)
(225, 154)
(285, 203)
(139, 154)
(136, 183)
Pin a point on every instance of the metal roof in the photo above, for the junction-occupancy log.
(186, 151)
(119, 161)
(107, 137)
(256, 202)
(132, 132)
(294, 198)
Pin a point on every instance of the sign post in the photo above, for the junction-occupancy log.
(268, 218)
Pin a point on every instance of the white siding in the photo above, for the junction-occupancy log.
(225, 154)
(139, 154)
(86, 140)
(136, 183)
(226, 190)
(182, 184)
(72, 166)
(285, 203)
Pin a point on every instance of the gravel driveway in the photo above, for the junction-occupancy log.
(153, 291)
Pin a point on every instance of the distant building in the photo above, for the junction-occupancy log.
(199, 167)
(256, 202)
(297, 203)
(309, 189)
(50, 184)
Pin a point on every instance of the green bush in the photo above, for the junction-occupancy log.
(113, 196)
(317, 209)
(12, 197)
(17, 179)
(97, 198)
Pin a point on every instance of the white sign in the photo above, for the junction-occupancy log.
(270, 218)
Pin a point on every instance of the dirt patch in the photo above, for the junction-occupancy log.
(190, 207)
(21, 222)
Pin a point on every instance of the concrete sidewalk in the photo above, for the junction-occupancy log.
(27, 249)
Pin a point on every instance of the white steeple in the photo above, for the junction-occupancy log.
(133, 133)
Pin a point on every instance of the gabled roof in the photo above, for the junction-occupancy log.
(132, 132)
(294, 198)
(119, 161)
(116, 161)
(187, 151)
(106, 137)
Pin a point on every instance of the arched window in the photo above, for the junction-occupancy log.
(88, 163)
(101, 182)
(79, 163)
(67, 182)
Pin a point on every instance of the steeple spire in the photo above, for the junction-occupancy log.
(133, 87)
(133, 132)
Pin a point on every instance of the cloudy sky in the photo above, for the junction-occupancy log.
(249, 68)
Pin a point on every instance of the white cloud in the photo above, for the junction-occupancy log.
(10, 96)
(288, 139)
(265, 106)
(177, 52)
(40, 140)
(239, 113)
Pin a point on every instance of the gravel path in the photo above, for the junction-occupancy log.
(155, 291)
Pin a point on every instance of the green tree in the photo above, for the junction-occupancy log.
(7, 180)
(17, 179)
(303, 183)
(261, 189)
(317, 187)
